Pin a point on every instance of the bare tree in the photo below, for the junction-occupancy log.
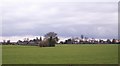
(50, 40)
(82, 36)
(50, 34)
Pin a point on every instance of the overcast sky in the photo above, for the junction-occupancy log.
(67, 19)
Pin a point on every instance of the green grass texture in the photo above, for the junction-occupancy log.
(61, 54)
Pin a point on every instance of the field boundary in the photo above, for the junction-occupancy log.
(60, 64)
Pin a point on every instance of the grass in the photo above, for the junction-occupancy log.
(61, 54)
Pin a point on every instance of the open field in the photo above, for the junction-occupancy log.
(61, 54)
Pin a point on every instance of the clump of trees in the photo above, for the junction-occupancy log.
(50, 40)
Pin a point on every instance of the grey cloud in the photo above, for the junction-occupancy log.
(67, 19)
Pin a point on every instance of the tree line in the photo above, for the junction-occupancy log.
(51, 38)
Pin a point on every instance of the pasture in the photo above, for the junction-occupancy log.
(61, 54)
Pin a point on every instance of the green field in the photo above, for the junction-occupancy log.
(61, 54)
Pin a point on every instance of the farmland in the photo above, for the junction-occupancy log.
(61, 54)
